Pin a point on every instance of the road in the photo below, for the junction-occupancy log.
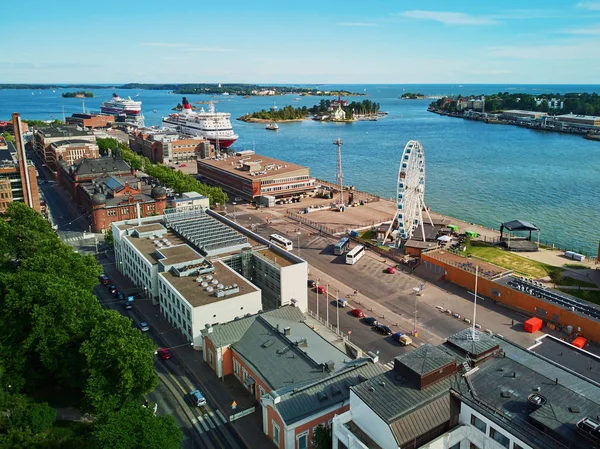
(202, 426)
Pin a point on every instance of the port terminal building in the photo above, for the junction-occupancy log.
(202, 269)
(248, 175)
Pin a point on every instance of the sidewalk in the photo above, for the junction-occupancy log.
(249, 428)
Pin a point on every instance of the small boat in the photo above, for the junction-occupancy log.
(297, 98)
(272, 127)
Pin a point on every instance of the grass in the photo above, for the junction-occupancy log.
(512, 261)
(368, 235)
(565, 280)
(576, 266)
(587, 295)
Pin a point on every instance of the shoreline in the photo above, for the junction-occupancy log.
(264, 120)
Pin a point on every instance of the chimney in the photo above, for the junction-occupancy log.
(286, 331)
(23, 171)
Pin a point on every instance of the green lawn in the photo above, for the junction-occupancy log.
(576, 266)
(368, 235)
(587, 295)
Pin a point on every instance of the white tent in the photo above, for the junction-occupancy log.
(444, 238)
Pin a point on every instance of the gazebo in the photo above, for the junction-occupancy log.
(519, 244)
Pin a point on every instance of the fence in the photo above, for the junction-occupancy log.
(358, 194)
(544, 243)
(315, 225)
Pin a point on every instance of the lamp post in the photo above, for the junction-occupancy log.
(317, 299)
(337, 312)
(326, 299)
(234, 219)
(416, 290)
(298, 234)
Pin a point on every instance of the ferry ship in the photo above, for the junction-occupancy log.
(213, 126)
(118, 106)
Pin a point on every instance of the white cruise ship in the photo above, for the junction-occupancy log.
(213, 126)
(118, 106)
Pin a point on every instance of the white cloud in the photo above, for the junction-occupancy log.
(594, 6)
(448, 18)
(585, 31)
(355, 24)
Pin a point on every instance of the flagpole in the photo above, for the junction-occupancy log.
(475, 301)
(326, 299)
(317, 299)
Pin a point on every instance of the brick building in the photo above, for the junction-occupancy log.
(108, 190)
(70, 150)
(251, 175)
(91, 120)
(297, 395)
(44, 138)
(167, 146)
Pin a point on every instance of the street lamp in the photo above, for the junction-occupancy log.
(317, 299)
(298, 233)
(234, 219)
(416, 290)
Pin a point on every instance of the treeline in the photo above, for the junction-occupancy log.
(233, 89)
(41, 123)
(364, 107)
(411, 96)
(175, 179)
(285, 113)
(576, 103)
(78, 93)
(57, 343)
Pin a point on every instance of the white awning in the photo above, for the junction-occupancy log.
(444, 238)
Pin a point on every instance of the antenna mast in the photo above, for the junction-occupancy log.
(339, 175)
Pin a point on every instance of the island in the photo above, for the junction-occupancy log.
(411, 96)
(326, 110)
(79, 94)
(179, 107)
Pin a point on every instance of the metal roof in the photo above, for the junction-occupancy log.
(85, 166)
(228, 333)
(464, 341)
(425, 359)
(299, 403)
(418, 423)
(519, 225)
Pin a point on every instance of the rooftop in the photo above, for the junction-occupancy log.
(486, 269)
(425, 360)
(463, 340)
(93, 167)
(260, 167)
(63, 131)
(77, 142)
(148, 248)
(193, 292)
(580, 117)
(520, 111)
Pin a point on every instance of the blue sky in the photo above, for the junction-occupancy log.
(401, 41)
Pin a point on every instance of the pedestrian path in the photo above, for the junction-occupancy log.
(208, 421)
(389, 365)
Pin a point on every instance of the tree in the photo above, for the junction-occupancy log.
(106, 144)
(322, 438)
(109, 237)
(8, 137)
(135, 426)
(120, 362)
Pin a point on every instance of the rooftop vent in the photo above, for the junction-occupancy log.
(336, 390)
(330, 365)
(361, 378)
(267, 343)
(535, 401)
(287, 331)
(574, 409)
(301, 342)
(322, 396)
(209, 289)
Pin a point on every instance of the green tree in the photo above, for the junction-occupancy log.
(322, 438)
(8, 137)
(135, 427)
(120, 362)
(109, 237)
(106, 144)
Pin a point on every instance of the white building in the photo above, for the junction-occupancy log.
(188, 199)
(201, 268)
(485, 393)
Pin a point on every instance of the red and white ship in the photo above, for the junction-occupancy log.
(119, 106)
(213, 126)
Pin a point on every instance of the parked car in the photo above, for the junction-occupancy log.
(128, 306)
(390, 270)
(104, 280)
(321, 290)
(119, 295)
(197, 398)
(112, 289)
(312, 283)
(383, 330)
(370, 321)
(183, 165)
(358, 313)
(341, 302)
(164, 353)
(401, 338)
(143, 326)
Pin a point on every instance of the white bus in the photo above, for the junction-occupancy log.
(357, 252)
(281, 241)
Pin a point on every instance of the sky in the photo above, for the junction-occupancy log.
(333, 41)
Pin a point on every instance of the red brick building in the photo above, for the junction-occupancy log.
(108, 190)
(167, 146)
(44, 138)
(13, 179)
(91, 120)
(299, 379)
(70, 151)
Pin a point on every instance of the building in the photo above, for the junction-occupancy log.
(188, 199)
(473, 391)
(553, 103)
(517, 114)
(339, 115)
(44, 137)
(166, 146)
(70, 150)
(583, 121)
(18, 177)
(533, 298)
(91, 121)
(251, 176)
(298, 395)
(242, 262)
(108, 190)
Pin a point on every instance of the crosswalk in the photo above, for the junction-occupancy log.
(208, 421)
(389, 365)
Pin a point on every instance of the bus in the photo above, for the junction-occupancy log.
(342, 246)
(353, 256)
(281, 241)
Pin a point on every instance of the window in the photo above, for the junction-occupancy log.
(111, 212)
(125, 210)
(500, 438)
(236, 367)
(244, 374)
(275, 433)
(302, 440)
(210, 358)
(475, 421)
(516, 446)
(261, 391)
(456, 446)
(472, 446)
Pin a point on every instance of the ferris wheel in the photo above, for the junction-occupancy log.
(410, 191)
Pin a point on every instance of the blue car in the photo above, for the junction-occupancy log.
(396, 336)
(197, 398)
(119, 295)
(143, 326)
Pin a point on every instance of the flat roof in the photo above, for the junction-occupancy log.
(521, 111)
(467, 264)
(230, 163)
(63, 131)
(178, 254)
(580, 117)
(197, 295)
(148, 249)
(565, 354)
(420, 244)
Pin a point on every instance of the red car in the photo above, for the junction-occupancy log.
(358, 313)
(320, 289)
(165, 353)
(390, 270)
(183, 165)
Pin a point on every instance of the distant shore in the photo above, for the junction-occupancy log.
(265, 120)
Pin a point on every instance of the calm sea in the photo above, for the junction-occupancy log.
(480, 173)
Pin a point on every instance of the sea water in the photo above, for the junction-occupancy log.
(480, 173)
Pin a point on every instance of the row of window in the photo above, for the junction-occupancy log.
(125, 210)
(291, 179)
(286, 187)
(495, 434)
